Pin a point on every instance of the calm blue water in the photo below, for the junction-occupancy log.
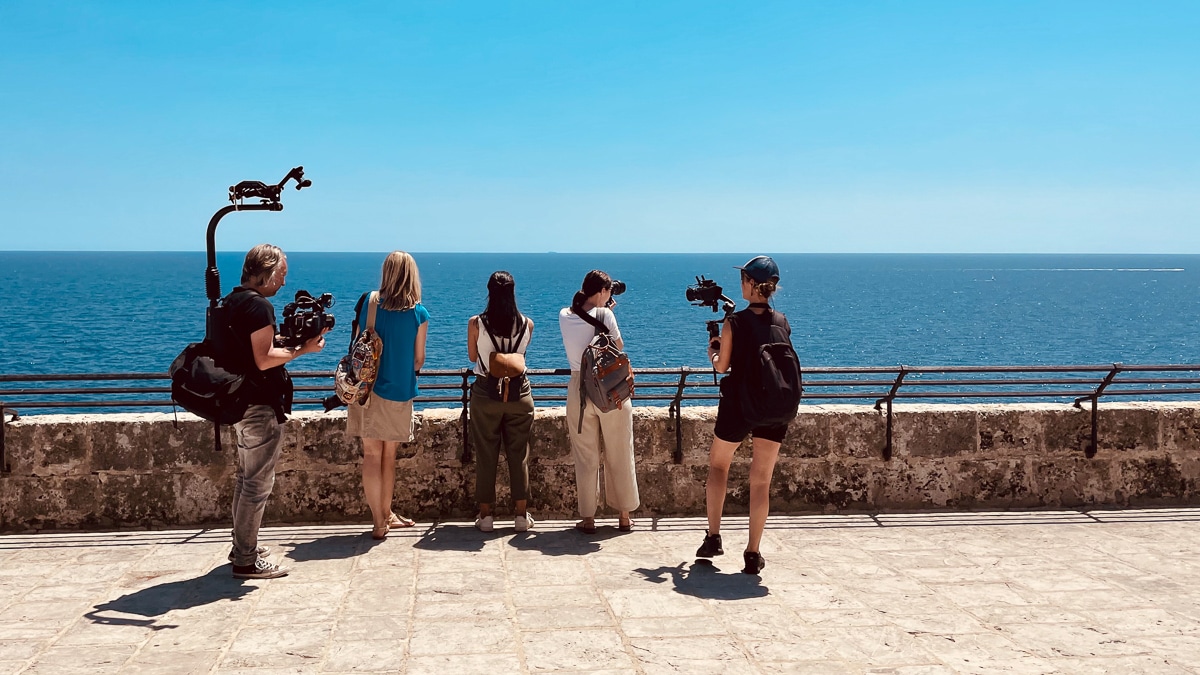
(105, 312)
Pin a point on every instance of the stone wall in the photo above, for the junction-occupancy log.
(107, 471)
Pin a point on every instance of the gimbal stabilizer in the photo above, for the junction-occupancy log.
(247, 189)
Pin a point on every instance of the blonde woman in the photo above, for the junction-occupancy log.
(386, 419)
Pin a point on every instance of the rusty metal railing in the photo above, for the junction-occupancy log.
(675, 387)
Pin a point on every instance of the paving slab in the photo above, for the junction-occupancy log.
(904, 594)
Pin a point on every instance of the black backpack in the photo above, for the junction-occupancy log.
(205, 389)
(202, 384)
(770, 391)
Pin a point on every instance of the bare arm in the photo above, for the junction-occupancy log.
(473, 339)
(721, 357)
(419, 347)
(267, 355)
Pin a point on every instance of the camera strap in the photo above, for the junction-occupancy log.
(597, 323)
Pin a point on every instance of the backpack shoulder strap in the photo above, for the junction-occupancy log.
(372, 307)
(354, 322)
(491, 336)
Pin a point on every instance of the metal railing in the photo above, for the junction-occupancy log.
(1078, 384)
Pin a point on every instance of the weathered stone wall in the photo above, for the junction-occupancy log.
(105, 471)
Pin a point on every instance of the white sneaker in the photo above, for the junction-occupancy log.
(484, 524)
(523, 523)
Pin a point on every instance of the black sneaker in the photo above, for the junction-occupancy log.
(261, 551)
(261, 569)
(711, 546)
(754, 562)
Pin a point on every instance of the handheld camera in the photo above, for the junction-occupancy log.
(618, 287)
(706, 293)
(305, 319)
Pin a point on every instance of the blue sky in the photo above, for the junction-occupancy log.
(616, 126)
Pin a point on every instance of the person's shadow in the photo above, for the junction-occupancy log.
(156, 601)
(463, 538)
(337, 547)
(702, 579)
(557, 542)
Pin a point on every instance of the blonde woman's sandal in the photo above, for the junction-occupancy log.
(396, 522)
(379, 532)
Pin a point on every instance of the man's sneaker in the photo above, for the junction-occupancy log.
(711, 546)
(484, 524)
(261, 569)
(754, 562)
(262, 552)
(523, 523)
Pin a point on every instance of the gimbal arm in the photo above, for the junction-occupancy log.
(270, 194)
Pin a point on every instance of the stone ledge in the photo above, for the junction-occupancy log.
(108, 471)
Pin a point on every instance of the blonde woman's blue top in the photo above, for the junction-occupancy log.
(397, 380)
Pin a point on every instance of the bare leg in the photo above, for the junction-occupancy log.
(719, 458)
(762, 466)
(485, 510)
(518, 507)
(387, 478)
(372, 479)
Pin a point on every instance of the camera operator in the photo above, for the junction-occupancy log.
(740, 339)
(614, 428)
(253, 351)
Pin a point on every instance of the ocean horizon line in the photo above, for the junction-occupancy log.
(632, 253)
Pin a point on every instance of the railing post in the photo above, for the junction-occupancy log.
(675, 412)
(4, 467)
(1090, 450)
(887, 446)
(464, 417)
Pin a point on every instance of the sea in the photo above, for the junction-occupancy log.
(105, 312)
(81, 312)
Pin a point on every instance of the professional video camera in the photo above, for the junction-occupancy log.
(304, 319)
(706, 293)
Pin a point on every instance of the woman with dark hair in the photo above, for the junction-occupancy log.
(741, 336)
(615, 426)
(501, 400)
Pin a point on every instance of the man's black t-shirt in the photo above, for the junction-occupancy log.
(246, 312)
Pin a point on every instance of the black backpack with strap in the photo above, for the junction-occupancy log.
(770, 390)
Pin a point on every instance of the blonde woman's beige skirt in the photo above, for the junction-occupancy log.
(381, 419)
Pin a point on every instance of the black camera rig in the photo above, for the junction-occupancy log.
(247, 189)
(706, 293)
(304, 319)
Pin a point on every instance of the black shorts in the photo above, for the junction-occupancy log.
(732, 427)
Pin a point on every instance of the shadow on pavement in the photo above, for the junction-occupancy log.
(156, 601)
(702, 579)
(559, 542)
(337, 547)
(455, 538)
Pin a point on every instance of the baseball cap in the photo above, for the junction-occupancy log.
(761, 268)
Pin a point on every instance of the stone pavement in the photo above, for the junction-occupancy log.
(1012, 592)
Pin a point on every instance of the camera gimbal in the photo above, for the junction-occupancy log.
(247, 189)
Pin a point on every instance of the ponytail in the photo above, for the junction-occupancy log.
(765, 288)
(577, 303)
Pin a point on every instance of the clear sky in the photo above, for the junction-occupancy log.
(614, 126)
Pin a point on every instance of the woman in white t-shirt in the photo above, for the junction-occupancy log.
(615, 426)
(501, 408)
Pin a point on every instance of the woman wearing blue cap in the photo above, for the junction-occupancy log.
(737, 351)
